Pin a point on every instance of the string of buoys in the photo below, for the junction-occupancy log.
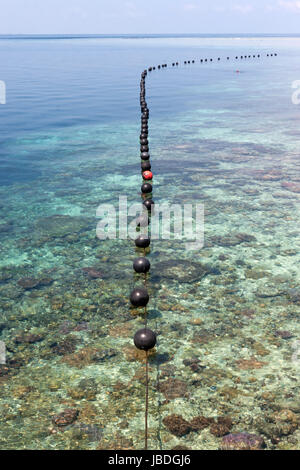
(145, 339)
(193, 61)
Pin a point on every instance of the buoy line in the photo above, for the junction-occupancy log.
(145, 339)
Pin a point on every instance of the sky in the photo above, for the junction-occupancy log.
(152, 16)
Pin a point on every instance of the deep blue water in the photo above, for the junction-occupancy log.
(57, 84)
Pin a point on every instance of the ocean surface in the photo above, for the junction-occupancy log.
(227, 316)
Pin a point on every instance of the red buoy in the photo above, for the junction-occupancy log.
(147, 175)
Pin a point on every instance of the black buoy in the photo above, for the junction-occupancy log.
(141, 265)
(149, 203)
(139, 297)
(144, 148)
(145, 166)
(145, 156)
(146, 188)
(145, 339)
(142, 241)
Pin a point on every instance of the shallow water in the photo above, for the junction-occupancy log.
(228, 335)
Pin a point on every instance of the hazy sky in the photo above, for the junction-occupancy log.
(152, 16)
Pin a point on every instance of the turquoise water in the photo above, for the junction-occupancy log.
(228, 335)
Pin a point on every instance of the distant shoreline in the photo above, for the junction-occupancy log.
(147, 36)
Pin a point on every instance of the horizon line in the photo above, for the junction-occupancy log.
(148, 34)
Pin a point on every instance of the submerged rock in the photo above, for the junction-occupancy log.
(242, 441)
(183, 270)
(57, 226)
(248, 364)
(293, 187)
(232, 239)
(269, 291)
(66, 346)
(29, 283)
(65, 418)
(221, 427)
(284, 334)
(201, 422)
(286, 422)
(28, 338)
(92, 273)
(194, 364)
(177, 425)
(88, 355)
